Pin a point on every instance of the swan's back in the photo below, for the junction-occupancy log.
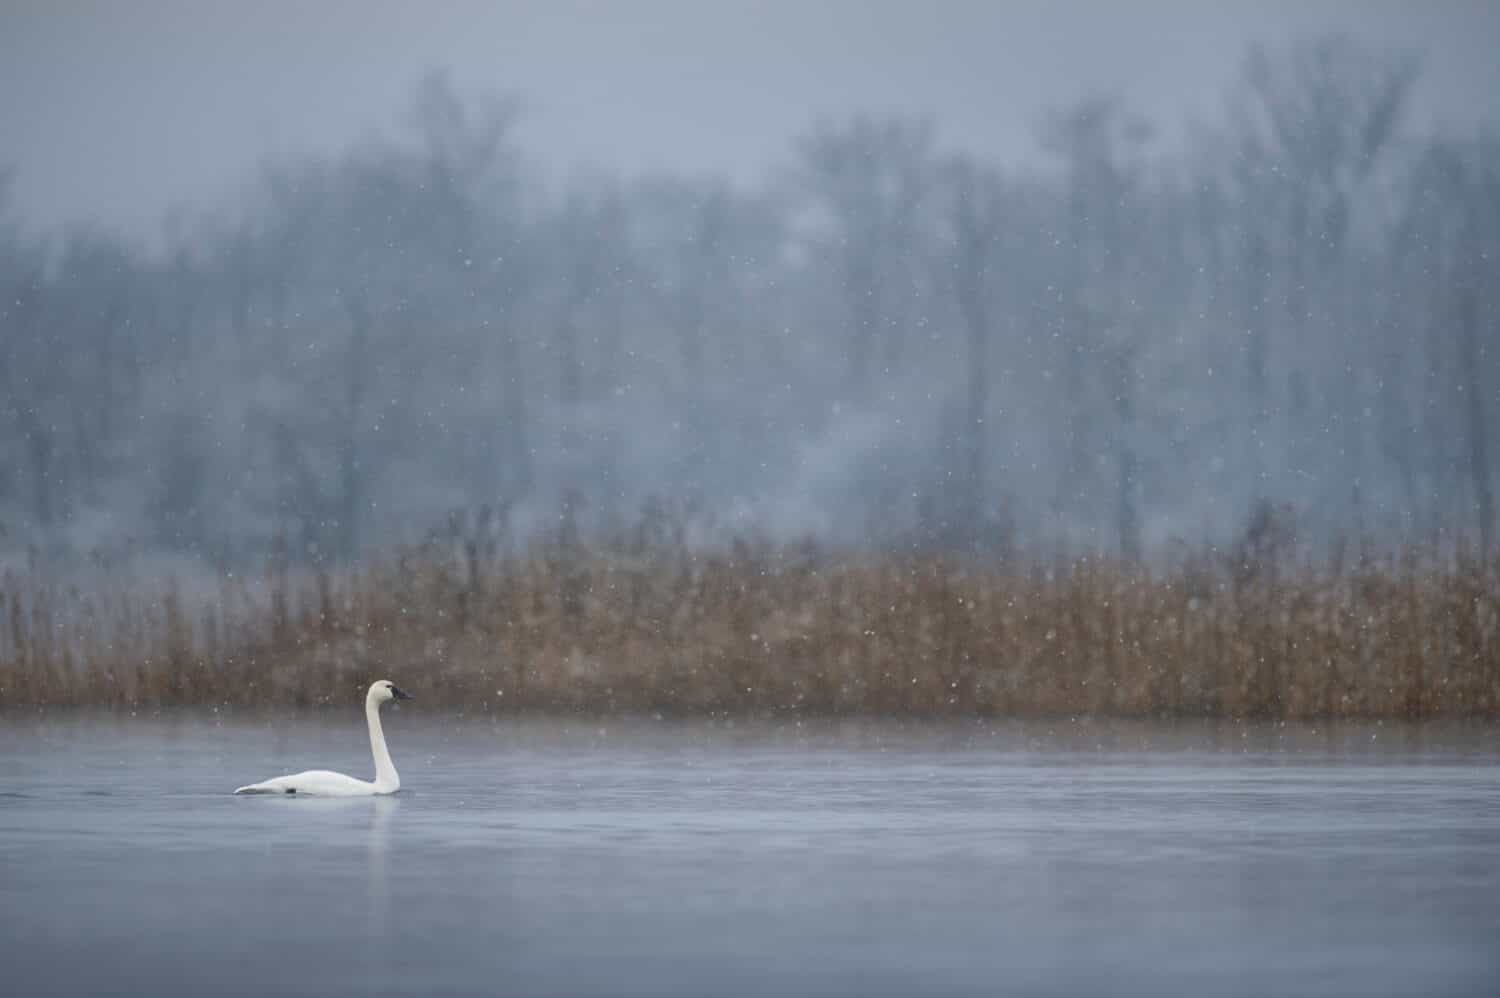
(314, 783)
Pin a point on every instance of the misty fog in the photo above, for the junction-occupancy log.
(1145, 332)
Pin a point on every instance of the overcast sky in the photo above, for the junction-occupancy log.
(113, 111)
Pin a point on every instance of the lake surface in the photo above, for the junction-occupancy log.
(672, 858)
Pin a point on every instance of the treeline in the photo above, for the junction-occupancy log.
(886, 343)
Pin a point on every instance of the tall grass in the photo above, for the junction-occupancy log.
(761, 628)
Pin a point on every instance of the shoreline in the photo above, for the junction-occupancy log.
(775, 632)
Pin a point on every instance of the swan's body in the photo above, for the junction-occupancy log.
(320, 783)
(323, 783)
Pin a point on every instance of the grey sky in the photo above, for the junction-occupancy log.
(114, 111)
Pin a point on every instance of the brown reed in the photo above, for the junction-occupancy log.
(762, 628)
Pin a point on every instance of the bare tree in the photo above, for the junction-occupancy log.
(1456, 205)
(977, 214)
(356, 385)
(1098, 143)
(871, 179)
(1313, 122)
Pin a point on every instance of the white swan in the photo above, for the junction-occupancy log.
(322, 783)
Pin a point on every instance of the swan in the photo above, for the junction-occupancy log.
(322, 783)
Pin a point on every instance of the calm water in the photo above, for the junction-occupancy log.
(660, 858)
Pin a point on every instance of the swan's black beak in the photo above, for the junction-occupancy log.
(401, 694)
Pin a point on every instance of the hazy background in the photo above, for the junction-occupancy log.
(115, 111)
(974, 275)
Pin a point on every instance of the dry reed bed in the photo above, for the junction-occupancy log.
(766, 629)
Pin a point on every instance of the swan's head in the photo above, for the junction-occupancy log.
(385, 690)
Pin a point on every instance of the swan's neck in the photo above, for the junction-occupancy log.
(386, 778)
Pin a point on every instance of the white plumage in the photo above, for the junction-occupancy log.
(324, 783)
